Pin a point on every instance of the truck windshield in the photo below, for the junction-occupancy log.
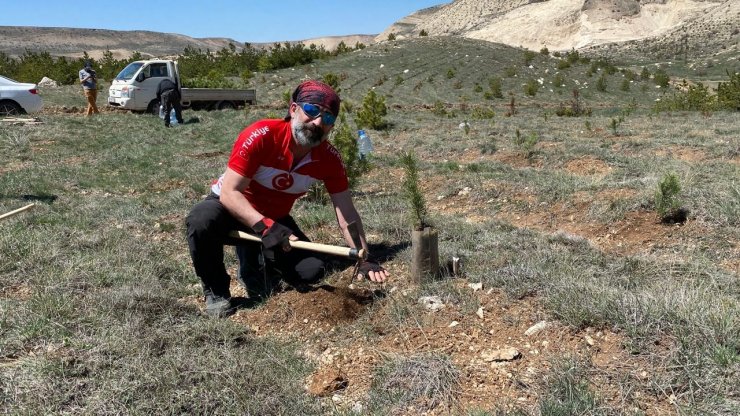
(129, 72)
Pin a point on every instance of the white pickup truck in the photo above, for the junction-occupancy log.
(135, 88)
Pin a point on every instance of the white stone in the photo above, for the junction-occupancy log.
(539, 326)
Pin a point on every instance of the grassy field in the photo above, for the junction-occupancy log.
(100, 306)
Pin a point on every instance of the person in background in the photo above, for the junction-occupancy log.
(273, 163)
(89, 82)
(169, 96)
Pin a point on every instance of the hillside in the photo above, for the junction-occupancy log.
(655, 28)
(74, 42)
(710, 26)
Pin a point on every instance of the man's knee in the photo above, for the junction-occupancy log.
(310, 269)
(202, 218)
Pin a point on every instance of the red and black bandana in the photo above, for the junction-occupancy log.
(316, 92)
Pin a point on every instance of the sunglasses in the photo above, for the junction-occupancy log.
(313, 111)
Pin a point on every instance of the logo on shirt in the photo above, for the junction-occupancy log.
(244, 151)
(282, 182)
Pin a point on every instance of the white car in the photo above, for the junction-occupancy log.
(18, 98)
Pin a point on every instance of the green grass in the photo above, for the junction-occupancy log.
(91, 320)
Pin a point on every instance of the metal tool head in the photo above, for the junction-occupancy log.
(354, 233)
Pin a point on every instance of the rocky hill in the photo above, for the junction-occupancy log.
(705, 27)
(15, 40)
(657, 28)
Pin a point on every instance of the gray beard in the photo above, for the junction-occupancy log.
(307, 135)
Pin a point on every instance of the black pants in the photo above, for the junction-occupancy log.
(170, 100)
(208, 226)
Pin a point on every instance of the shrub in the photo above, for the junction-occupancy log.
(391, 36)
(495, 85)
(412, 192)
(558, 81)
(450, 73)
(645, 74)
(512, 106)
(615, 123)
(695, 97)
(531, 87)
(490, 146)
(481, 113)
(563, 64)
(526, 144)
(667, 197)
(601, 83)
(246, 75)
(625, 85)
(331, 79)
(346, 143)
(423, 33)
(573, 57)
(661, 78)
(544, 51)
(529, 57)
(372, 112)
(439, 109)
(728, 93)
(574, 109)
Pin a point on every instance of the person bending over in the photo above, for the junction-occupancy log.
(273, 162)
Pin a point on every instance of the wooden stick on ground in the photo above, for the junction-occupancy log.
(21, 209)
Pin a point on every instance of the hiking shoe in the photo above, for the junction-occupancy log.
(218, 306)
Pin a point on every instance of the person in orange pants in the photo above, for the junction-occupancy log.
(89, 83)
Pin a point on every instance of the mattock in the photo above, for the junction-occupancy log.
(349, 252)
(354, 233)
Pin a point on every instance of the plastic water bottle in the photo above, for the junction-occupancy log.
(364, 145)
(173, 118)
(161, 111)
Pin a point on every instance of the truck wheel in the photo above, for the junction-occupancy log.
(226, 105)
(10, 108)
(153, 107)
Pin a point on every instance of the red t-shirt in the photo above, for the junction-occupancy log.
(262, 153)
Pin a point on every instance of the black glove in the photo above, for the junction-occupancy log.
(274, 234)
(369, 266)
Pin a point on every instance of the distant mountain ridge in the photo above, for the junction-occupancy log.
(658, 28)
(703, 26)
(73, 42)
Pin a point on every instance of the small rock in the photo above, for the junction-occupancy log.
(47, 82)
(479, 313)
(433, 303)
(589, 340)
(504, 354)
(476, 286)
(453, 324)
(539, 326)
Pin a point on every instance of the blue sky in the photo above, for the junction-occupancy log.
(241, 20)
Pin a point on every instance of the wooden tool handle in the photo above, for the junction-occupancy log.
(16, 211)
(348, 252)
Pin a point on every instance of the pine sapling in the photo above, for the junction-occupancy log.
(413, 194)
(667, 200)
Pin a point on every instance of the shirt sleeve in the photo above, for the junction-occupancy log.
(336, 175)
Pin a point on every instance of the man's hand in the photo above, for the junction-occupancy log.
(273, 233)
(373, 271)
